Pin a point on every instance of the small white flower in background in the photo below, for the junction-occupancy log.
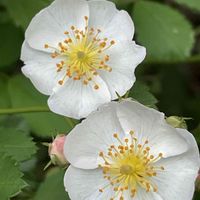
(81, 53)
(127, 151)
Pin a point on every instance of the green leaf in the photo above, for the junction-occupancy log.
(23, 94)
(16, 144)
(124, 2)
(197, 134)
(193, 4)
(10, 178)
(52, 188)
(22, 11)
(196, 194)
(4, 95)
(174, 96)
(15, 121)
(141, 93)
(11, 40)
(166, 34)
(4, 17)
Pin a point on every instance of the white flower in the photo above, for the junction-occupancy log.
(126, 151)
(81, 53)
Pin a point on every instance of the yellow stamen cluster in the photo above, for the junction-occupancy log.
(129, 166)
(83, 53)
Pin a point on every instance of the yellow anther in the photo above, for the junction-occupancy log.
(148, 148)
(160, 155)
(112, 42)
(61, 82)
(85, 82)
(151, 157)
(96, 87)
(46, 46)
(101, 154)
(58, 65)
(102, 44)
(100, 190)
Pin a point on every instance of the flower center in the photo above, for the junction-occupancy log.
(83, 54)
(126, 169)
(129, 166)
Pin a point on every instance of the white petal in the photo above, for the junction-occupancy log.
(30, 54)
(150, 124)
(93, 135)
(114, 24)
(85, 184)
(178, 178)
(126, 53)
(124, 58)
(142, 194)
(76, 100)
(49, 25)
(101, 13)
(120, 28)
(40, 68)
(193, 150)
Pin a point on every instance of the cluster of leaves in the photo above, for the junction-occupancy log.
(169, 29)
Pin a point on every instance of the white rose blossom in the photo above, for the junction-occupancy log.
(81, 53)
(126, 151)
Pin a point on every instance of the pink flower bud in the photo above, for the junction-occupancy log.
(198, 182)
(56, 151)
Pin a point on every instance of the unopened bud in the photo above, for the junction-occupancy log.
(56, 152)
(177, 122)
(198, 182)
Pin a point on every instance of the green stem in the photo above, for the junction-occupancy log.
(23, 110)
(36, 109)
(192, 59)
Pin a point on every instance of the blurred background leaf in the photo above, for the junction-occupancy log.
(166, 34)
(10, 178)
(10, 39)
(16, 144)
(141, 93)
(194, 4)
(52, 188)
(22, 11)
(4, 95)
(23, 94)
